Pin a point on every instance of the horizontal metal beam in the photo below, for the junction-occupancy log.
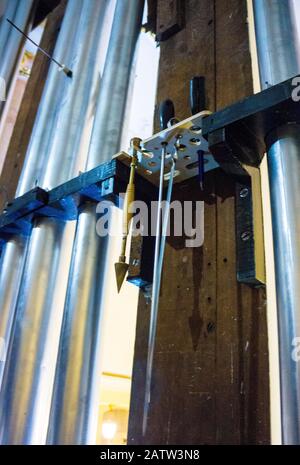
(238, 132)
(107, 180)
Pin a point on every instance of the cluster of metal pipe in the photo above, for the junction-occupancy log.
(82, 314)
(36, 309)
(51, 333)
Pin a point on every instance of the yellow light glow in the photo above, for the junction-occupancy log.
(109, 429)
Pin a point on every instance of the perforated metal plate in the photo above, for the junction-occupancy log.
(191, 141)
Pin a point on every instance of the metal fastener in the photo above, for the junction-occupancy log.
(245, 236)
(244, 192)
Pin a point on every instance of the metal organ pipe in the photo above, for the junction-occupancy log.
(11, 41)
(278, 48)
(5, 28)
(13, 253)
(29, 371)
(74, 408)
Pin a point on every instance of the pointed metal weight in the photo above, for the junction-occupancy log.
(121, 266)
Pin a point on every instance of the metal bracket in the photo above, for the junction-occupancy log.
(237, 137)
(140, 271)
(189, 132)
(250, 266)
(16, 218)
(237, 134)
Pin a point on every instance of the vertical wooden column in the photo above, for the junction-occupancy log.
(210, 379)
(25, 120)
(241, 328)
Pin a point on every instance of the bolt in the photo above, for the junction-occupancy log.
(195, 128)
(106, 184)
(135, 143)
(210, 326)
(244, 192)
(245, 236)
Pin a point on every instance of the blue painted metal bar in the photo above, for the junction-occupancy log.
(105, 181)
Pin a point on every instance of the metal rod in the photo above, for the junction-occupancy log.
(74, 410)
(278, 57)
(158, 264)
(66, 70)
(25, 404)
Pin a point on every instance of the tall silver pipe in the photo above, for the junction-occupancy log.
(8, 11)
(279, 59)
(13, 254)
(25, 403)
(74, 410)
(55, 93)
(11, 266)
(112, 98)
(11, 40)
(69, 421)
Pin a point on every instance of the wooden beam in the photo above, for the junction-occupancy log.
(210, 385)
(152, 15)
(43, 9)
(170, 19)
(242, 351)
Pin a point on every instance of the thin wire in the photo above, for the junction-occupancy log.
(158, 263)
(34, 43)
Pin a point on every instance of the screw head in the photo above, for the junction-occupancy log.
(210, 326)
(244, 192)
(245, 236)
